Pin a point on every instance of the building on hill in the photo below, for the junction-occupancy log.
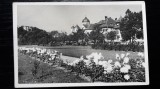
(86, 22)
(107, 25)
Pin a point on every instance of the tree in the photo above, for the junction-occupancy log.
(21, 35)
(139, 26)
(35, 36)
(53, 33)
(63, 37)
(111, 35)
(96, 35)
(79, 35)
(131, 25)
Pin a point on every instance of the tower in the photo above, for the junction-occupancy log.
(86, 22)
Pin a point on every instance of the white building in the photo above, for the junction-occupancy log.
(107, 25)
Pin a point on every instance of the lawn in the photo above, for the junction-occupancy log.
(46, 73)
(77, 51)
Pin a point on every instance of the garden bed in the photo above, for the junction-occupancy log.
(94, 67)
(46, 73)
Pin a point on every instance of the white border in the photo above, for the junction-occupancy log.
(15, 4)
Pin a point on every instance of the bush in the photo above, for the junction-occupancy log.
(93, 71)
(35, 68)
(119, 47)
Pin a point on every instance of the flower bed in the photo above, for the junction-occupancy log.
(94, 66)
(44, 55)
(122, 70)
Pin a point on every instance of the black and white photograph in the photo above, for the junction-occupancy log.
(61, 44)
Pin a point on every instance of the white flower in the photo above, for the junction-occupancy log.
(100, 56)
(117, 64)
(95, 57)
(103, 63)
(53, 56)
(127, 54)
(122, 56)
(81, 58)
(109, 69)
(74, 62)
(100, 63)
(117, 57)
(127, 77)
(124, 70)
(105, 72)
(96, 61)
(89, 57)
(140, 54)
(109, 61)
(50, 59)
(87, 62)
(127, 66)
(107, 66)
(126, 60)
(34, 49)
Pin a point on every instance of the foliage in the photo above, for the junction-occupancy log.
(79, 35)
(35, 68)
(36, 36)
(111, 35)
(131, 25)
(136, 47)
(93, 71)
(96, 35)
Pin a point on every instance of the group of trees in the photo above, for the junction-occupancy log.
(96, 35)
(131, 27)
(36, 36)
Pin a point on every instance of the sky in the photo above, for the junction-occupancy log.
(61, 18)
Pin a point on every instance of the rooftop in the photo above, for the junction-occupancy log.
(85, 20)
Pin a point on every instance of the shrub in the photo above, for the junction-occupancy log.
(120, 47)
(36, 66)
(93, 71)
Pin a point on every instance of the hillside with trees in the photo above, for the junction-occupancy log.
(36, 36)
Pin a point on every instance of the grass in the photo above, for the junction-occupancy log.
(46, 73)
